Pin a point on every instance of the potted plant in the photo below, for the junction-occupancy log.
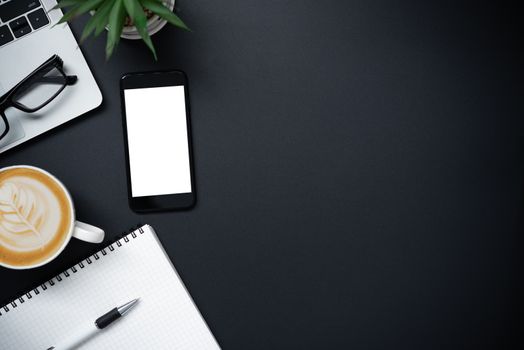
(131, 19)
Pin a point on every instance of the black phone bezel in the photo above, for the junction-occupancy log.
(165, 202)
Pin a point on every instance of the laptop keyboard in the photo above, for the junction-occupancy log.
(19, 18)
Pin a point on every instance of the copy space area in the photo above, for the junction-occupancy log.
(158, 144)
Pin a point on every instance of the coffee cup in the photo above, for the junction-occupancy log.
(37, 218)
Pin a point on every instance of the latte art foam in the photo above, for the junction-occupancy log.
(34, 216)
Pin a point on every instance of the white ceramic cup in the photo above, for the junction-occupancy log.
(80, 230)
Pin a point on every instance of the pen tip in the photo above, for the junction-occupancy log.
(126, 307)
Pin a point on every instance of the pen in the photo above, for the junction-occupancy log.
(83, 335)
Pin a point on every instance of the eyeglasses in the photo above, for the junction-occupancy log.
(36, 90)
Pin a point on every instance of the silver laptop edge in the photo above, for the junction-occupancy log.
(22, 55)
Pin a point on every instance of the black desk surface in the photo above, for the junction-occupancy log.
(359, 167)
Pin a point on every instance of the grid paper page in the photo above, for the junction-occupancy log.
(136, 266)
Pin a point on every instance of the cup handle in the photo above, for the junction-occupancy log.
(88, 233)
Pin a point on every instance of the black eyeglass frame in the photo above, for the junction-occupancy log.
(7, 100)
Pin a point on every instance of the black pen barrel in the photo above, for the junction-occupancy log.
(105, 320)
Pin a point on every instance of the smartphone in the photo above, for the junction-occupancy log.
(157, 137)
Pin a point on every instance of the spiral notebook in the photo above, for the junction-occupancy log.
(135, 266)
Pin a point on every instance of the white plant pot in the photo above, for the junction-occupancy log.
(154, 24)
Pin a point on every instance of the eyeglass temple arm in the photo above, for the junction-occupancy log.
(3, 97)
(70, 80)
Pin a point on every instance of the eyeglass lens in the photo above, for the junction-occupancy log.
(41, 88)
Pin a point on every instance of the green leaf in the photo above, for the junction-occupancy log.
(89, 5)
(105, 11)
(99, 19)
(88, 29)
(159, 9)
(115, 25)
(66, 3)
(136, 12)
(80, 8)
(68, 15)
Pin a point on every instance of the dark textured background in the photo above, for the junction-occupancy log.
(359, 167)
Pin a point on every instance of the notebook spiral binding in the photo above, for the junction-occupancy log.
(123, 237)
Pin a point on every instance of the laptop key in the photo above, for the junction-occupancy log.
(20, 27)
(38, 18)
(16, 8)
(5, 35)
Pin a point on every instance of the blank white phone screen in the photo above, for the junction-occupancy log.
(157, 141)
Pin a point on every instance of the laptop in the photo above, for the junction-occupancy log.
(28, 38)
